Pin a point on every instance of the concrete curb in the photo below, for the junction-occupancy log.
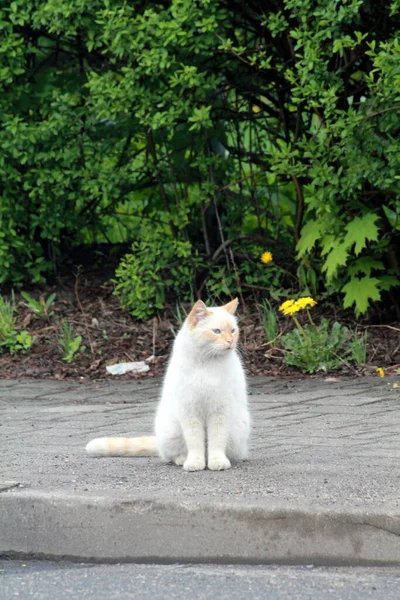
(133, 529)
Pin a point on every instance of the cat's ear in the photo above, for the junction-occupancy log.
(198, 313)
(231, 306)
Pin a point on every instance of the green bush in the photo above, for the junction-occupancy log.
(267, 123)
(157, 266)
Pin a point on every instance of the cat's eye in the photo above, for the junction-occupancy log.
(216, 331)
(233, 330)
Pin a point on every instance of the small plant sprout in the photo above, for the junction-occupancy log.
(68, 343)
(358, 348)
(40, 308)
(269, 322)
(180, 316)
(181, 313)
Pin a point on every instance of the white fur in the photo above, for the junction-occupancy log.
(97, 447)
(202, 417)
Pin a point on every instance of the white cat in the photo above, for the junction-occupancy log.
(202, 418)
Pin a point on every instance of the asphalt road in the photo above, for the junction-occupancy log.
(59, 581)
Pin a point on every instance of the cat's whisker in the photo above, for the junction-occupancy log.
(210, 353)
(205, 356)
(240, 350)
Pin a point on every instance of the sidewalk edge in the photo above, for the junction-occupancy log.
(133, 529)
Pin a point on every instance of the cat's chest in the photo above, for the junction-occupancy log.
(209, 380)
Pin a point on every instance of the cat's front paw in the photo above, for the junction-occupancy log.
(194, 464)
(219, 463)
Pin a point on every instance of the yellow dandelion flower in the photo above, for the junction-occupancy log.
(291, 307)
(380, 372)
(266, 257)
(288, 307)
(305, 302)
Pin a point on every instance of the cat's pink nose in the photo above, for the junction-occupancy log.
(230, 342)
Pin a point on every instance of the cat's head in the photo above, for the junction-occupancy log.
(214, 329)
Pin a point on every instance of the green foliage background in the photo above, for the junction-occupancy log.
(223, 128)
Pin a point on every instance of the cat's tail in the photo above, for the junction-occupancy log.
(123, 446)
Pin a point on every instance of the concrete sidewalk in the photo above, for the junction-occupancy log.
(321, 487)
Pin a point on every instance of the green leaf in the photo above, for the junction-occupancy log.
(361, 229)
(386, 282)
(359, 291)
(309, 235)
(365, 264)
(337, 257)
(50, 300)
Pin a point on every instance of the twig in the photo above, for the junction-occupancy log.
(256, 287)
(154, 336)
(74, 322)
(273, 348)
(221, 231)
(245, 236)
(204, 225)
(299, 208)
(264, 344)
(387, 326)
(39, 331)
(380, 112)
(164, 197)
(252, 176)
(239, 287)
(348, 365)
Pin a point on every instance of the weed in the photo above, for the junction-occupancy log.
(69, 344)
(40, 308)
(358, 348)
(11, 339)
(315, 349)
(269, 323)
(310, 347)
(180, 316)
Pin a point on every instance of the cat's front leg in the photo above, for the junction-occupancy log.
(194, 434)
(217, 435)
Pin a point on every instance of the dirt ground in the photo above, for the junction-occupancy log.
(110, 335)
